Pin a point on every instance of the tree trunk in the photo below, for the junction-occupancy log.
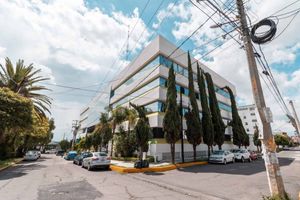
(172, 145)
(194, 152)
(208, 151)
(112, 142)
(141, 154)
(220, 147)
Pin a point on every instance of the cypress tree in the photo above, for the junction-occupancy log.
(192, 132)
(207, 124)
(171, 122)
(194, 136)
(218, 124)
(142, 129)
(240, 137)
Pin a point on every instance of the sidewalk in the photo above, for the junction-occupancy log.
(8, 163)
(128, 167)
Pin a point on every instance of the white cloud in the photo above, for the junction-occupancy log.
(230, 61)
(61, 36)
(66, 31)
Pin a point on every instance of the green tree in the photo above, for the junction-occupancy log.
(131, 117)
(207, 124)
(240, 137)
(96, 139)
(105, 130)
(15, 112)
(219, 126)
(23, 80)
(118, 116)
(64, 145)
(281, 140)
(142, 130)
(194, 132)
(256, 141)
(88, 141)
(171, 122)
(125, 143)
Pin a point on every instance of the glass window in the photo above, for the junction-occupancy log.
(137, 93)
(142, 73)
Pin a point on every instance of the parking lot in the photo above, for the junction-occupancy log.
(52, 177)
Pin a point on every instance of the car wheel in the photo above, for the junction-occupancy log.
(107, 167)
(74, 162)
(82, 165)
(242, 159)
(224, 162)
(89, 168)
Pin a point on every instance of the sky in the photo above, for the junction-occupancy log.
(82, 43)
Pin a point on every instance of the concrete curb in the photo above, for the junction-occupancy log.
(12, 164)
(155, 169)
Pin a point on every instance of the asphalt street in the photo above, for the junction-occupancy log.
(52, 178)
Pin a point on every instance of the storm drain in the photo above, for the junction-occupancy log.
(69, 191)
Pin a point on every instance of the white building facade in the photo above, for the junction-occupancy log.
(143, 82)
(250, 118)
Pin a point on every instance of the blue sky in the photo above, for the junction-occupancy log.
(76, 42)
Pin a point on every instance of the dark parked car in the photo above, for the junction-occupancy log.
(78, 159)
(60, 153)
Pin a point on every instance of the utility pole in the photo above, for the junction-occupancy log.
(297, 124)
(271, 162)
(75, 128)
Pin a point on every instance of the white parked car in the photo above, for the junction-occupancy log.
(98, 160)
(31, 155)
(241, 155)
(38, 153)
(221, 156)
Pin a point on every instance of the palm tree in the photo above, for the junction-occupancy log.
(22, 79)
(118, 116)
(131, 117)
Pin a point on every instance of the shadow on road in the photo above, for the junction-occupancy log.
(154, 173)
(20, 170)
(236, 168)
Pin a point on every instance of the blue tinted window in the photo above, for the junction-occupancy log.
(224, 106)
(140, 74)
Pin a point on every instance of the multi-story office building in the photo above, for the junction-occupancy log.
(250, 118)
(143, 82)
(89, 115)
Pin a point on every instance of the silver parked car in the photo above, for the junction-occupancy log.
(98, 160)
(221, 156)
(31, 155)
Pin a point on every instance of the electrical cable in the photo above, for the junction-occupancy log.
(267, 36)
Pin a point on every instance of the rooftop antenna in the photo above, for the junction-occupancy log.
(127, 45)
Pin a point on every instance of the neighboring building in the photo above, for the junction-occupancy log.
(143, 82)
(89, 115)
(250, 118)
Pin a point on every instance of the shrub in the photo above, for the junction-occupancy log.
(277, 197)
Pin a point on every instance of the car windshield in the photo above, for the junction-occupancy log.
(218, 152)
(30, 152)
(235, 150)
(98, 154)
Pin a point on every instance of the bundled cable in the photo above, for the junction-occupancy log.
(266, 36)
